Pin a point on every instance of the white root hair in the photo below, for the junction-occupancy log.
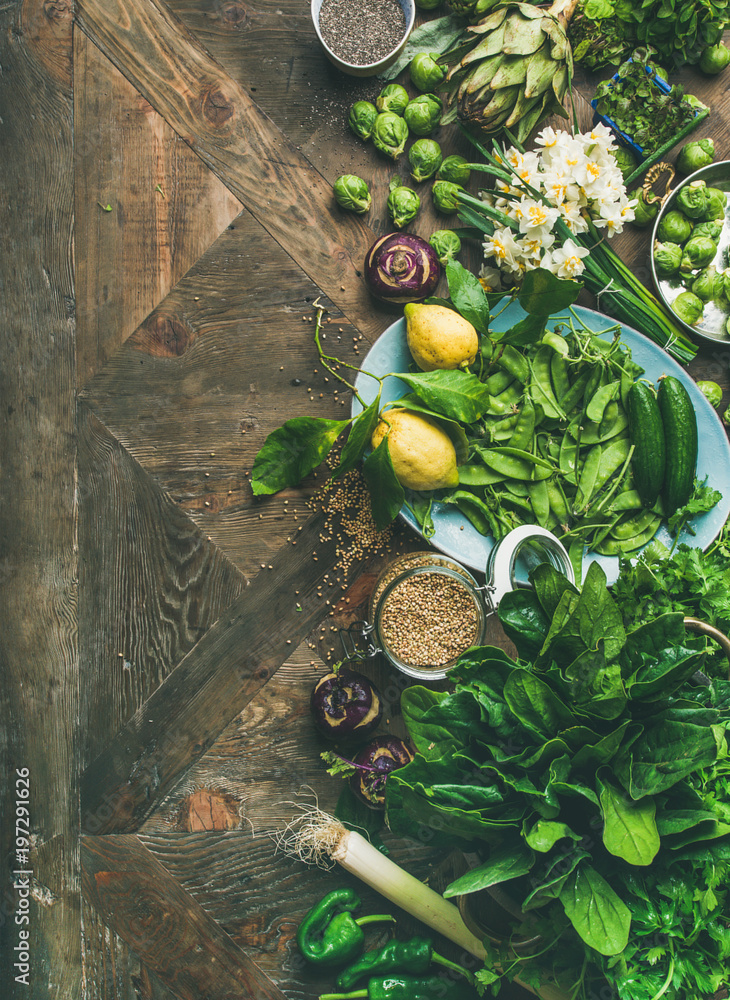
(312, 837)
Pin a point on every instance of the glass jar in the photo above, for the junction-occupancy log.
(426, 609)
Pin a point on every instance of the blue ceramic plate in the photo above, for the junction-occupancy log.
(458, 538)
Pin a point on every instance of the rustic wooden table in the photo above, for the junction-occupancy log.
(168, 221)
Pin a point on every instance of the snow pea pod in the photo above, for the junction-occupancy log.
(501, 429)
(575, 393)
(559, 376)
(540, 502)
(613, 456)
(627, 500)
(568, 456)
(600, 400)
(516, 463)
(541, 387)
(498, 381)
(478, 475)
(557, 501)
(525, 427)
(615, 546)
(506, 399)
(614, 422)
(556, 343)
(517, 487)
(514, 362)
(587, 478)
(634, 525)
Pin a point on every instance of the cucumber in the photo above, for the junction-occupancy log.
(647, 434)
(680, 436)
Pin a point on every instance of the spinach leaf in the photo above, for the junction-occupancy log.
(598, 914)
(437, 721)
(629, 828)
(550, 585)
(553, 879)
(657, 678)
(455, 394)
(544, 834)
(292, 451)
(524, 620)
(663, 755)
(386, 493)
(501, 867)
(594, 617)
(468, 296)
(536, 705)
(596, 686)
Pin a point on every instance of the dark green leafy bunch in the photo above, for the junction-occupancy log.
(592, 775)
(639, 108)
(604, 32)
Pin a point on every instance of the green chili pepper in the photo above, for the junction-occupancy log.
(404, 988)
(412, 956)
(329, 934)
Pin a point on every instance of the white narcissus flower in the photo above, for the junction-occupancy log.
(533, 215)
(566, 261)
(490, 279)
(503, 247)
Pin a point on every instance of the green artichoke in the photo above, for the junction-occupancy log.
(511, 72)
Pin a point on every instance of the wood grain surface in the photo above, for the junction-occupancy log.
(39, 694)
(160, 627)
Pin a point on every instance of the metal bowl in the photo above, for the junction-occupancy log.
(371, 69)
(711, 327)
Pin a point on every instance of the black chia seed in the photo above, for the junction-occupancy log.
(360, 32)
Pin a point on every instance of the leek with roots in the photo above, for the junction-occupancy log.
(317, 838)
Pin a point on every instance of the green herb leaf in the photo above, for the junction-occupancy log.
(292, 451)
(456, 394)
(386, 493)
(358, 439)
(544, 294)
(468, 296)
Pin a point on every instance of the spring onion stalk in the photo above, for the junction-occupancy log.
(618, 291)
(318, 838)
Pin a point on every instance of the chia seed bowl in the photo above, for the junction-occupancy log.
(363, 38)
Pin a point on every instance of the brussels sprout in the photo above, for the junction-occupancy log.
(695, 155)
(698, 252)
(688, 307)
(423, 114)
(424, 157)
(711, 391)
(362, 118)
(694, 200)
(625, 160)
(390, 134)
(446, 243)
(711, 230)
(403, 205)
(667, 258)
(645, 212)
(704, 283)
(351, 192)
(425, 72)
(716, 207)
(674, 227)
(392, 98)
(454, 169)
(719, 296)
(445, 197)
(714, 59)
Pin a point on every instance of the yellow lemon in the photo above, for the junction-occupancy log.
(422, 453)
(438, 337)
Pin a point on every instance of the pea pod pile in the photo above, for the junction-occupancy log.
(566, 443)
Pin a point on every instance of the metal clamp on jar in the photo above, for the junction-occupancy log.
(426, 609)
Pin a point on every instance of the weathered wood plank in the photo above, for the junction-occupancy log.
(165, 207)
(214, 682)
(227, 357)
(160, 922)
(239, 143)
(39, 695)
(153, 588)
